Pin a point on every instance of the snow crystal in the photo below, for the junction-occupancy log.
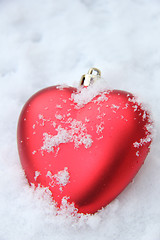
(86, 120)
(142, 141)
(144, 116)
(115, 106)
(85, 95)
(102, 115)
(51, 176)
(100, 128)
(58, 116)
(150, 129)
(50, 141)
(61, 178)
(58, 106)
(135, 108)
(42, 120)
(68, 209)
(61, 87)
(40, 116)
(126, 106)
(76, 133)
(99, 138)
(37, 174)
(54, 124)
(101, 98)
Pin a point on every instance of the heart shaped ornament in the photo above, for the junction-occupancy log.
(85, 145)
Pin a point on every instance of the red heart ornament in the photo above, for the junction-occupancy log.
(87, 152)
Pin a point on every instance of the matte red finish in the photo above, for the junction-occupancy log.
(88, 154)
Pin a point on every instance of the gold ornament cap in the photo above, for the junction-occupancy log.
(93, 75)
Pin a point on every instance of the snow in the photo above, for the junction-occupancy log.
(85, 95)
(61, 178)
(55, 42)
(37, 174)
(76, 133)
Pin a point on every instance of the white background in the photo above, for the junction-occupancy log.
(50, 42)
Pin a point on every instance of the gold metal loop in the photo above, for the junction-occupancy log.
(93, 75)
(91, 70)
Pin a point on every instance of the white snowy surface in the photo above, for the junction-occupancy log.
(50, 42)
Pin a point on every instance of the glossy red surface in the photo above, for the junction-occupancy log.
(88, 154)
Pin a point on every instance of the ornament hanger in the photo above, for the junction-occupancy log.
(93, 75)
